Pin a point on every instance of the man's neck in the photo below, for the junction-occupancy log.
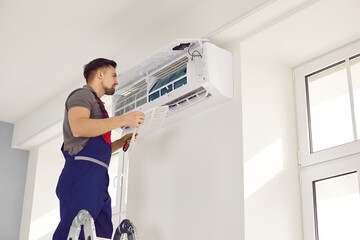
(97, 88)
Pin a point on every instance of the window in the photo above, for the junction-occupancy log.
(331, 200)
(333, 100)
(118, 173)
(113, 179)
(328, 113)
(337, 207)
(355, 77)
(328, 105)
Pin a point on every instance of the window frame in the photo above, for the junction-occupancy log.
(309, 175)
(325, 163)
(116, 182)
(306, 157)
(119, 210)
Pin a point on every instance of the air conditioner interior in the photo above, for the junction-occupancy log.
(169, 79)
(153, 82)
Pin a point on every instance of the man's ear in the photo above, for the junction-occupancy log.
(99, 74)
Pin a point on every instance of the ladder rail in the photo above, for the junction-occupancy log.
(83, 218)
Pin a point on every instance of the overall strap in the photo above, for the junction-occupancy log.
(101, 104)
(105, 136)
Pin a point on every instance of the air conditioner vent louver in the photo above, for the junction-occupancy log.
(190, 98)
(130, 98)
(133, 90)
(171, 69)
(199, 91)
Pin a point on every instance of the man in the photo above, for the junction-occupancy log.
(87, 150)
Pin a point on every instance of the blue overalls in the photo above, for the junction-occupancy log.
(83, 184)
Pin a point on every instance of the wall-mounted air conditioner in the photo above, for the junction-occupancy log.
(182, 74)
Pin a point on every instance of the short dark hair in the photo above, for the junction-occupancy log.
(91, 67)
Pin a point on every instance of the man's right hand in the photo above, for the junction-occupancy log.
(83, 126)
(133, 119)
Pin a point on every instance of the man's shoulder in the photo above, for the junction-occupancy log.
(82, 97)
(81, 93)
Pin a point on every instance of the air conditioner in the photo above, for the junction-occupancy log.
(188, 75)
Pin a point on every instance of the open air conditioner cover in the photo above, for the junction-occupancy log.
(181, 75)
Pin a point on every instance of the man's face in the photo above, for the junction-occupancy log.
(109, 81)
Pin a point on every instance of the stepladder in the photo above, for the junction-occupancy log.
(84, 219)
(126, 229)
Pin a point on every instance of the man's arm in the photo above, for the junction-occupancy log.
(83, 126)
(116, 145)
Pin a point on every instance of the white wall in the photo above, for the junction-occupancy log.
(45, 209)
(190, 175)
(142, 42)
(272, 195)
(41, 207)
(186, 181)
(13, 165)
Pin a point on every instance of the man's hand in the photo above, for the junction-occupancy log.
(122, 141)
(83, 126)
(127, 138)
(133, 119)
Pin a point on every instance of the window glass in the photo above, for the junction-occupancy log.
(355, 77)
(330, 121)
(337, 207)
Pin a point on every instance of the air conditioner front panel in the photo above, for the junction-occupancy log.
(163, 57)
(177, 79)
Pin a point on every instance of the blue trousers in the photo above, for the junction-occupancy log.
(84, 185)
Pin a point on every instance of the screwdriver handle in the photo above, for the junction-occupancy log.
(126, 147)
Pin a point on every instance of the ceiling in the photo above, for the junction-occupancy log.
(302, 32)
(310, 32)
(44, 44)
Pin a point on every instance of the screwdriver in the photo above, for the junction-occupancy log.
(126, 145)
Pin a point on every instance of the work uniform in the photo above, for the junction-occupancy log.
(84, 180)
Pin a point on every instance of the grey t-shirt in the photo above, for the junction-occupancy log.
(82, 97)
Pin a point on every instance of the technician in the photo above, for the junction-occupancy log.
(87, 149)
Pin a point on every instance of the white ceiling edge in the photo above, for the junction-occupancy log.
(31, 129)
(300, 34)
(239, 19)
(256, 22)
(41, 137)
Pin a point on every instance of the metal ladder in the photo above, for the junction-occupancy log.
(83, 218)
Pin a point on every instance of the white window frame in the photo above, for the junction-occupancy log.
(306, 157)
(328, 162)
(116, 181)
(119, 210)
(317, 172)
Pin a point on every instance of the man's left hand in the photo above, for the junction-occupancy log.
(127, 138)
